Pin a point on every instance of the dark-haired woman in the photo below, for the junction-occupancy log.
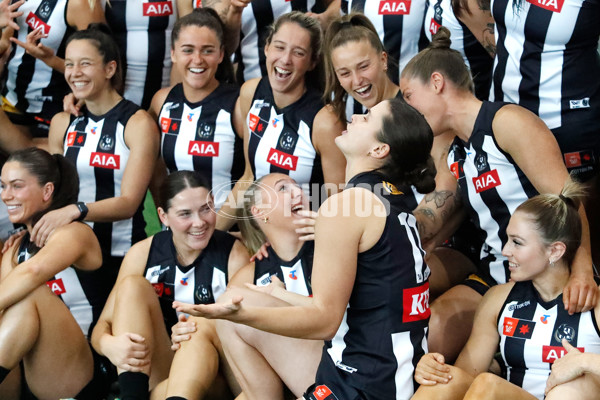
(35, 88)
(490, 169)
(36, 328)
(369, 279)
(524, 317)
(200, 130)
(190, 262)
(287, 128)
(113, 144)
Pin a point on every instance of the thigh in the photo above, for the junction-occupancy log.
(492, 387)
(585, 387)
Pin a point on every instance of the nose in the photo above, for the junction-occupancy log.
(506, 250)
(197, 57)
(286, 57)
(356, 80)
(5, 193)
(198, 221)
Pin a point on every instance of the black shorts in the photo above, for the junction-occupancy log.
(38, 126)
(478, 283)
(580, 147)
(332, 392)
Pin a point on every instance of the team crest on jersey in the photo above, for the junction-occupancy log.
(551, 5)
(564, 331)
(481, 162)
(106, 143)
(205, 130)
(203, 295)
(157, 9)
(34, 22)
(287, 141)
(282, 160)
(45, 10)
(517, 328)
(394, 7)
(57, 286)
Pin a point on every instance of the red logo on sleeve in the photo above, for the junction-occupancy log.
(57, 286)
(416, 303)
(321, 392)
(34, 22)
(551, 5)
(454, 169)
(486, 181)
(282, 160)
(165, 124)
(552, 353)
(394, 7)
(105, 160)
(75, 138)
(253, 121)
(203, 149)
(158, 9)
(518, 328)
(159, 288)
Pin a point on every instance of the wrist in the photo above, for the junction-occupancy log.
(82, 210)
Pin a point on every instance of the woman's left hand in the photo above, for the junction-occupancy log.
(211, 311)
(276, 284)
(306, 225)
(51, 221)
(8, 13)
(34, 47)
(581, 293)
(566, 368)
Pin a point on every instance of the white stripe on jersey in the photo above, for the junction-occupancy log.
(404, 353)
(219, 283)
(338, 345)
(296, 284)
(184, 286)
(409, 222)
(75, 298)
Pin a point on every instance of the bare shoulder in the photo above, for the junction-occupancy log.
(494, 298)
(248, 88)
(159, 99)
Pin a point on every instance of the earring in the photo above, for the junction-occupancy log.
(266, 219)
(369, 154)
(551, 262)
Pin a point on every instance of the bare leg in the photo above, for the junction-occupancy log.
(585, 387)
(449, 267)
(490, 386)
(10, 388)
(137, 311)
(41, 331)
(451, 321)
(453, 390)
(261, 360)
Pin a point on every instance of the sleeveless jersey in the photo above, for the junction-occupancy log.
(32, 86)
(546, 59)
(492, 186)
(256, 19)
(200, 137)
(83, 292)
(142, 29)
(531, 331)
(383, 333)
(96, 145)
(440, 13)
(281, 139)
(295, 273)
(202, 282)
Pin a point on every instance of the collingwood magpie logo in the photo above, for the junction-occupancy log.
(287, 141)
(106, 143)
(481, 162)
(205, 131)
(45, 10)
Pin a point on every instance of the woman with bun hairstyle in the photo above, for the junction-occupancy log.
(524, 317)
(200, 130)
(490, 170)
(113, 144)
(50, 297)
(369, 279)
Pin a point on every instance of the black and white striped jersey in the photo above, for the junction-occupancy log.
(83, 292)
(492, 186)
(96, 146)
(202, 282)
(142, 29)
(281, 139)
(480, 63)
(384, 330)
(546, 59)
(531, 332)
(200, 137)
(295, 273)
(32, 86)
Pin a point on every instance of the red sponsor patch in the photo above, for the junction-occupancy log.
(71, 138)
(157, 9)
(282, 160)
(552, 353)
(433, 26)
(165, 124)
(159, 288)
(253, 121)
(416, 303)
(486, 181)
(394, 7)
(203, 149)
(579, 158)
(105, 160)
(198, 3)
(75, 138)
(57, 286)
(552, 5)
(454, 169)
(34, 22)
(321, 392)
(518, 328)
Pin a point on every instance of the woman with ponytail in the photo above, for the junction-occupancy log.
(525, 317)
(38, 331)
(369, 279)
(502, 155)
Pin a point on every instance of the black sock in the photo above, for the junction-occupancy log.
(175, 398)
(134, 386)
(3, 373)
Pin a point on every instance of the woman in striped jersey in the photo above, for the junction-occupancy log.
(490, 168)
(200, 130)
(525, 317)
(50, 297)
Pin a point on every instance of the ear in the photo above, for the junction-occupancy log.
(162, 215)
(256, 211)
(47, 191)
(556, 250)
(222, 54)
(110, 68)
(437, 81)
(380, 151)
(384, 60)
(172, 55)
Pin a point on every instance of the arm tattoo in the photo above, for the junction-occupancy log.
(489, 40)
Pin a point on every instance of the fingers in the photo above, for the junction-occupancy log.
(439, 358)
(134, 337)
(71, 105)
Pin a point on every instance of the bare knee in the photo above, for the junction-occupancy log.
(485, 385)
(134, 286)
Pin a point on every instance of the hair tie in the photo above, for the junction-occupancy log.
(567, 201)
(346, 24)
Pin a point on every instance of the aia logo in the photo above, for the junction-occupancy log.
(105, 160)
(434, 26)
(184, 281)
(157, 9)
(34, 22)
(552, 5)
(282, 160)
(203, 149)
(544, 318)
(552, 353)
(486, 181)
(415, 302)
(57, 286)
(293, 275)
(394, 7)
